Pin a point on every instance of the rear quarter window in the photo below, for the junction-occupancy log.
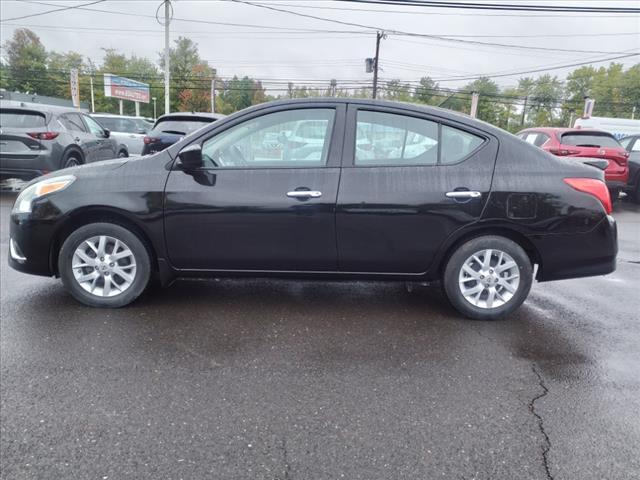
(457, 144)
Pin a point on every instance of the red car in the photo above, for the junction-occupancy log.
(576, 142)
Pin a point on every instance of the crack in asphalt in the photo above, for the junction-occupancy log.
(285, 458)
(532, 409)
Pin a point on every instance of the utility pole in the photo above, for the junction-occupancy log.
(167, 77)
(475, 97)
(93, 103)
(213, 95)
(154, 108)
(379, 36)
(524, 110)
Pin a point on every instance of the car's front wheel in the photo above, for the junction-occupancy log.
(104, 265)
(488, 277)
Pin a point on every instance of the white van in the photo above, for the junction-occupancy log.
(618, 127)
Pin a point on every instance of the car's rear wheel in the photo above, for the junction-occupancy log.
(123, 154)
(104, 265)
(488, 277)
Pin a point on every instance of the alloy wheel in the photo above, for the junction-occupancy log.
(104, 266)
(489, 278)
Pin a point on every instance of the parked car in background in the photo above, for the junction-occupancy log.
(37, 140)
(618, 127)
(632, 145)
(128, 130)
(218, 203)
(580, 142)
(170, 128)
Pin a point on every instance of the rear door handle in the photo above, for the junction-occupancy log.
(304, 194)
(462, 194)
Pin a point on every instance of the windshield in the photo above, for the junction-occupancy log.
(180, 127)
(590, 139)
(16, 119)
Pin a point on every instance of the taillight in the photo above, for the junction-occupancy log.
(43, 135)
(562, 152)
(148, 140)
(594, 187)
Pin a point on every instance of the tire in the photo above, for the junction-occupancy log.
(615, 194)
(485, 305)
(72, 159)
(85, 276)
(123, 154)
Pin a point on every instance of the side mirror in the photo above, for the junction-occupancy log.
(191, 157)
(107, 133)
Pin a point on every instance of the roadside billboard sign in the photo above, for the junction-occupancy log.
(126, 89)
(75, 88)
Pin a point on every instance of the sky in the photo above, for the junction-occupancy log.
(268, 44)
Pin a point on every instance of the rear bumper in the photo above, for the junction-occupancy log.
(578, 255)
(26, 167)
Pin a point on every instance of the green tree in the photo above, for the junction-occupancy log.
(27, 63)
(397, 91)
(488, 104)
(425, 91)
(546, 97)
(240, 93)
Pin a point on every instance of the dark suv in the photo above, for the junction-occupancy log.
(39, 139)
(170, 128)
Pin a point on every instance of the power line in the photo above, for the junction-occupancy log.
(499, 6)
(298, 32)
(52, 11)
(414, 34)
(414, 12)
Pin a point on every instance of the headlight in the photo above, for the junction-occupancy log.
(39, 189)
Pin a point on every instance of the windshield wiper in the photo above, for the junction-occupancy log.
(587, 145)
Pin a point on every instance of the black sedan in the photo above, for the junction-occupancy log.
(389, 192)
(171, 127)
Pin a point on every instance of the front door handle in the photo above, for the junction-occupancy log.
(462, 194)
(304, 194)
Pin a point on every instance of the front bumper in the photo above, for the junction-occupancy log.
(578, 255)
(31, 236)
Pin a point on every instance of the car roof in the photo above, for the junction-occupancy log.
(406, 106)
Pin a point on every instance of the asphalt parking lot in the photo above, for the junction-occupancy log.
(297, 380)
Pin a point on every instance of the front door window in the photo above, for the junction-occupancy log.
(293, 138)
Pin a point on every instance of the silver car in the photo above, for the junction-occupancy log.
(129, 131)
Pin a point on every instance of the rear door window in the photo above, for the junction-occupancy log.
(72, 122)
(589, 139)
(392, 139)
(17, 119)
